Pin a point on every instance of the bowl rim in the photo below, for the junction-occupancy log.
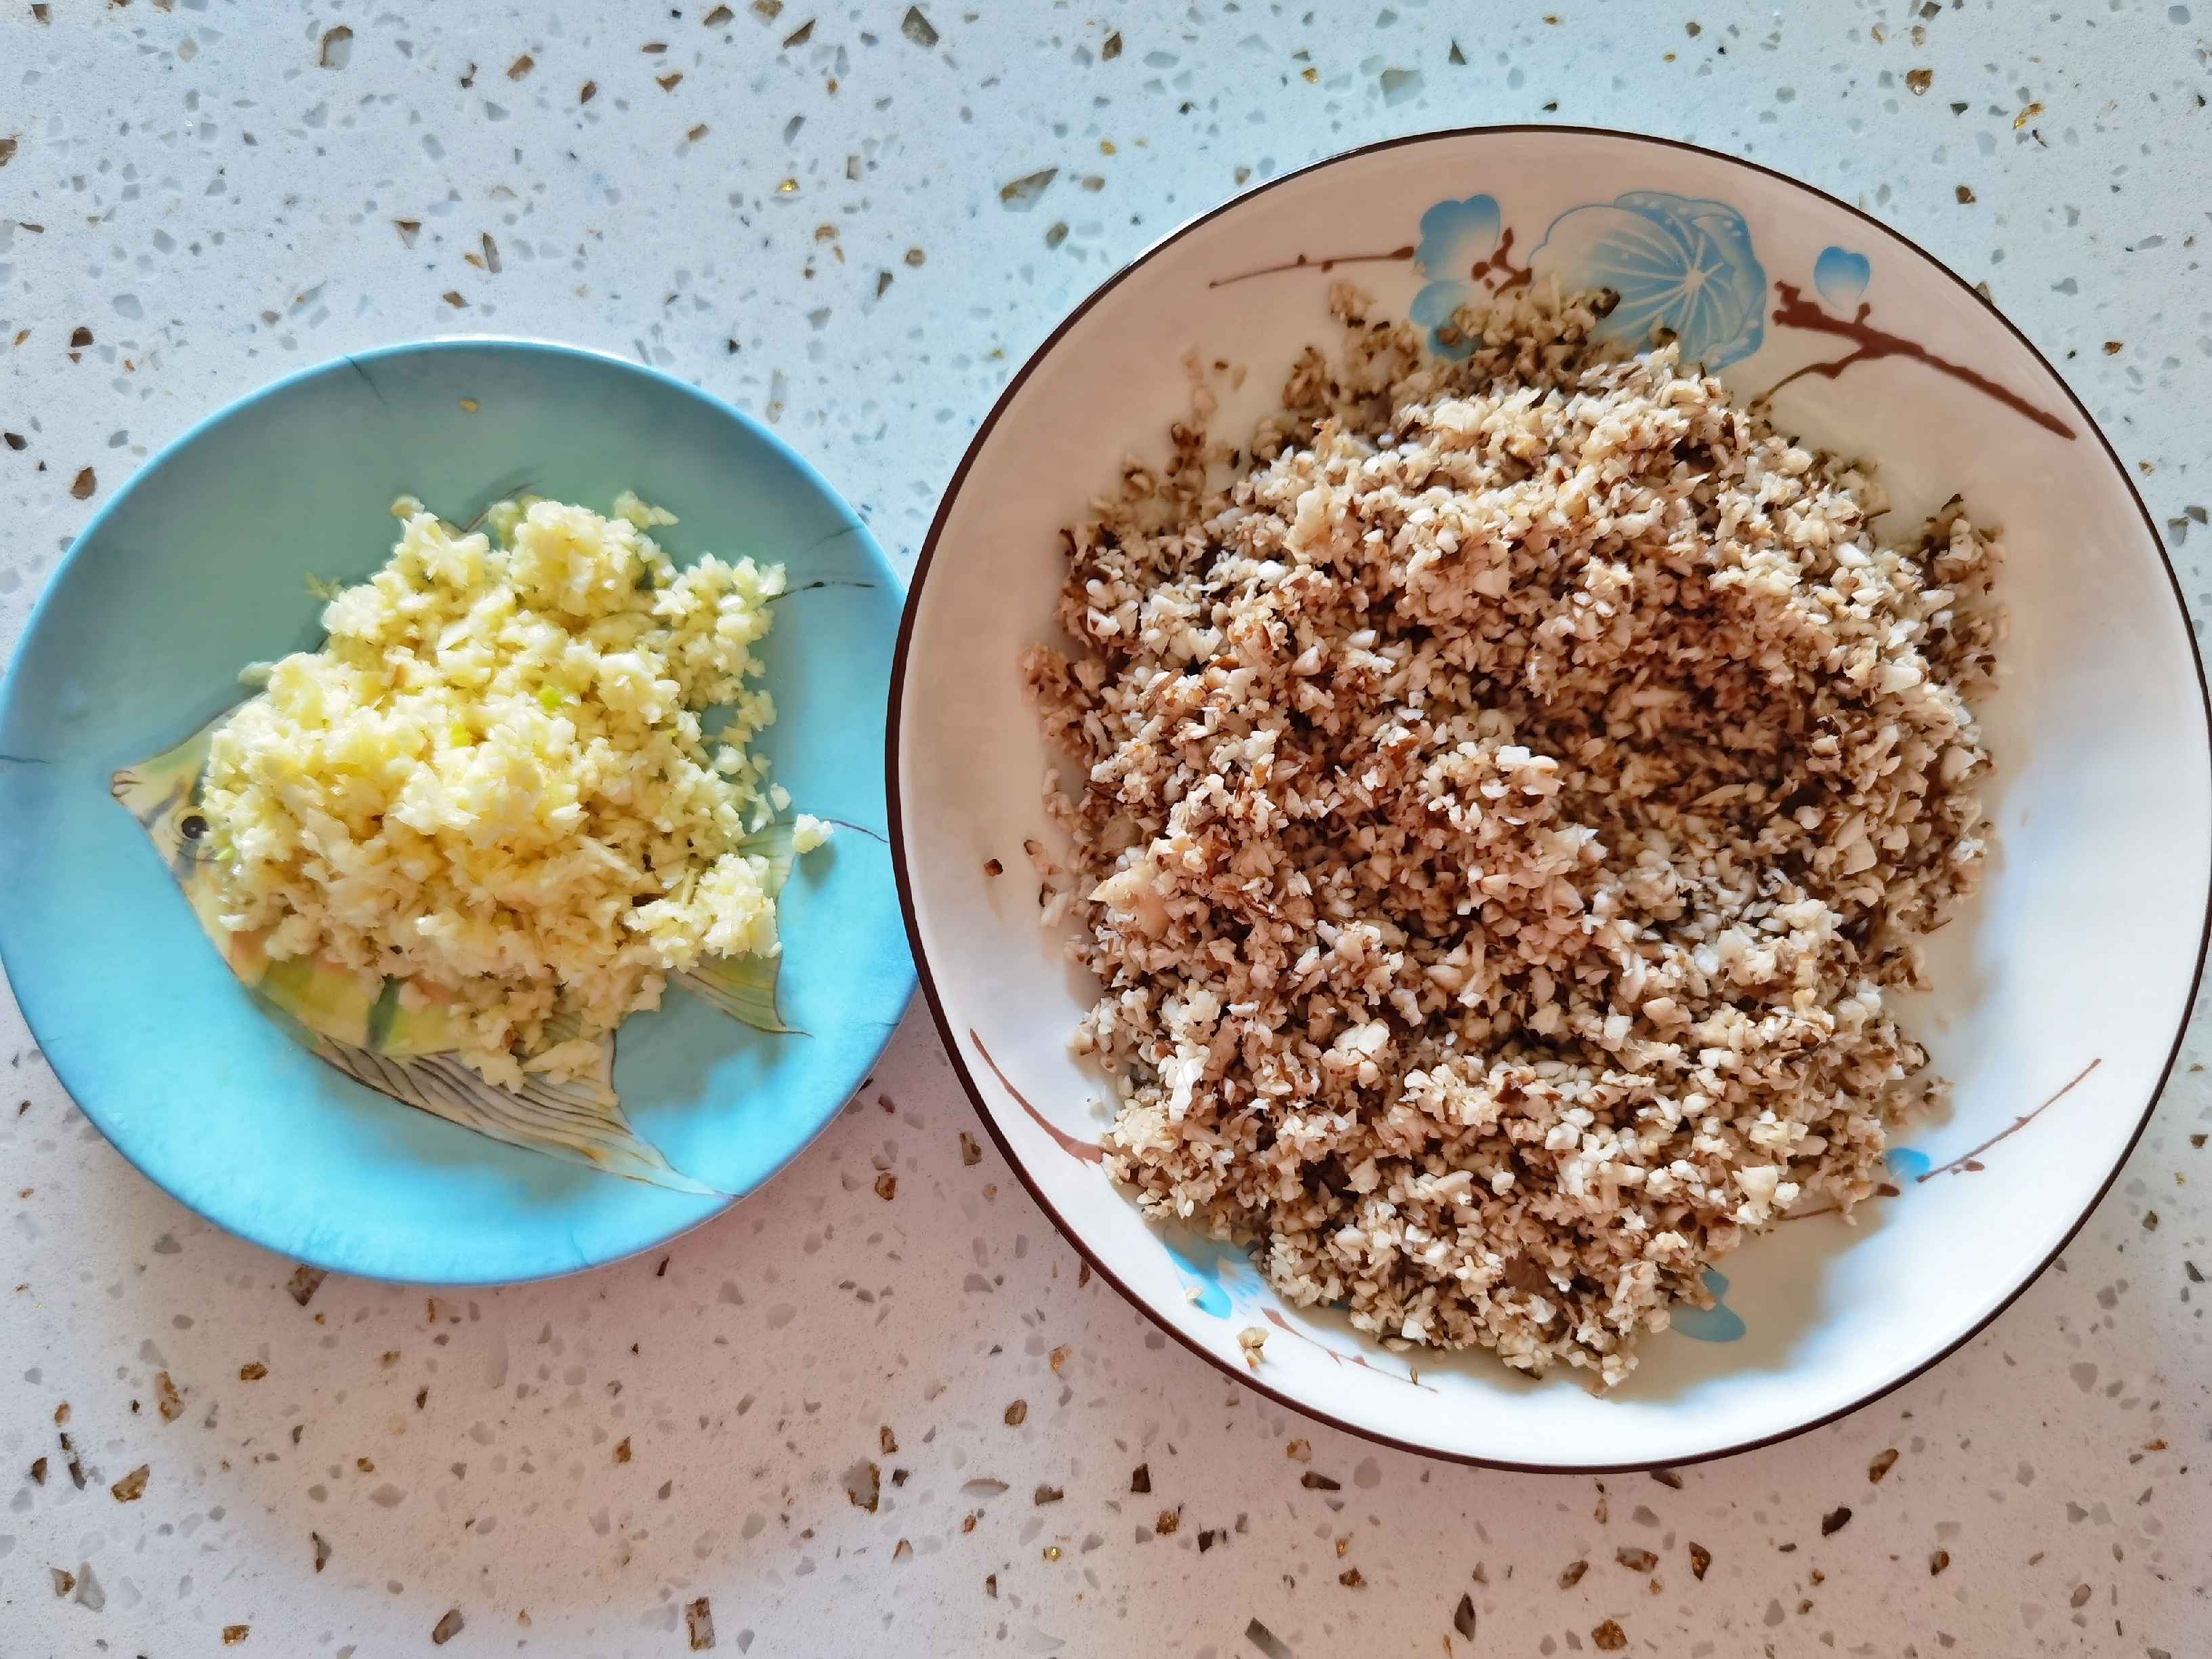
(11, 687)
(946, 1032)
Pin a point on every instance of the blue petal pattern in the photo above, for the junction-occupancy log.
(1677, 263)
(1839, 277)
(1213, 1269)
(1434, 307)
(1455, 234)
(1719, 1323)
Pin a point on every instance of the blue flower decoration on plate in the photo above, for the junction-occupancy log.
(1454, 235)
(1719, 1323)
(1215, 1271)
(1680, 264)
(1839, 277)
(1906, 1163)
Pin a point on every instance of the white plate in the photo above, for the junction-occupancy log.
(2078, 964)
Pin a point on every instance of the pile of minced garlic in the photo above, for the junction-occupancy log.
(492, 783)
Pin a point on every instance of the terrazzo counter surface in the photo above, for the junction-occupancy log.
(881, 1406)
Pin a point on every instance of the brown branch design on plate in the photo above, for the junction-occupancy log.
(1089, 1152)
(1325, 264)
(1498, 270)
(1970, 1163)
(1869, 343)
(1085, 1151)
(1340, 1357)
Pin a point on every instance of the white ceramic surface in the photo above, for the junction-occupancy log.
(2080, 957)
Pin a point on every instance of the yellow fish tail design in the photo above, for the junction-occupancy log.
(744, 987)
(577, 1121)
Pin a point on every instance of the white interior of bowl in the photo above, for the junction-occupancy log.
(2081, 950)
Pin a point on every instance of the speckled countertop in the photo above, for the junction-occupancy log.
(837, 1422)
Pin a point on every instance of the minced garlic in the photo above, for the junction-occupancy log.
(492, 783)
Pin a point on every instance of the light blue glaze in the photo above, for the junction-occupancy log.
(198, 568)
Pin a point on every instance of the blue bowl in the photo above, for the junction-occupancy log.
(201, 566)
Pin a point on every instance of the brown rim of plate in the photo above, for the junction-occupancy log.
(950, 1037)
